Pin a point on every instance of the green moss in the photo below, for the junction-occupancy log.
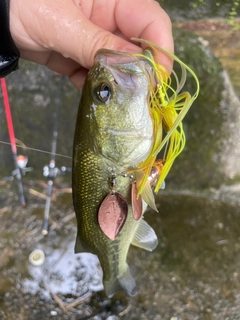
(197, 167)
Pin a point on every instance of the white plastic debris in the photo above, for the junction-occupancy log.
(37, 258)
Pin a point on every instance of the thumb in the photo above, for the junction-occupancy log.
(84, 39)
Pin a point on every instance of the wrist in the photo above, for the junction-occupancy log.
(9, 54)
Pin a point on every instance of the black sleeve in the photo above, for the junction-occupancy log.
(9, 54)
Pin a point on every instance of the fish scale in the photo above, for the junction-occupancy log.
(110, 254)
(130, 110)
(99, 151)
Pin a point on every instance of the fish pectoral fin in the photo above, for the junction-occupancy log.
(124, 282)
(148, 196)
(145, 237)
(147, 192)
(78, 246)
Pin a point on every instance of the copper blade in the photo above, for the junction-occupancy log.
(112, 214)
(154, 174)
(136, 203)
(155, 171)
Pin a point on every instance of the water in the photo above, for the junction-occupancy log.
(194, 272)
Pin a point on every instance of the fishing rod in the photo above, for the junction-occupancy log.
(19, 161)
(50, 171)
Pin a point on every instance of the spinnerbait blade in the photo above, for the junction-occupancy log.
(112, 214)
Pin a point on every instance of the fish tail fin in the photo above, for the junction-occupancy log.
(123, 282)
(78, 246)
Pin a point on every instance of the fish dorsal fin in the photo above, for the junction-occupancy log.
(145, 237)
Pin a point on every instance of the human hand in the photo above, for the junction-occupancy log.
(64, 35)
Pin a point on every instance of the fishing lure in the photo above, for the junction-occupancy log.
(167, 106)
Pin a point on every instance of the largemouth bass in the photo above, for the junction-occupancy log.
(118, 136)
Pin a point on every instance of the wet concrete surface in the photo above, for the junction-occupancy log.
(197, 9)
(193, 273)
(224, 42)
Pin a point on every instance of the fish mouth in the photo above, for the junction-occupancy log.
(125, 68)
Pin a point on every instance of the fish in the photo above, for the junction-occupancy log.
(123, 123)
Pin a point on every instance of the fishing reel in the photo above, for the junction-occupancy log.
(51, 172)
(21, 166)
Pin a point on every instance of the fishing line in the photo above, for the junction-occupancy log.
(165, 151)
(37, 150)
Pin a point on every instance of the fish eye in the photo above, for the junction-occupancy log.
(102, 92)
